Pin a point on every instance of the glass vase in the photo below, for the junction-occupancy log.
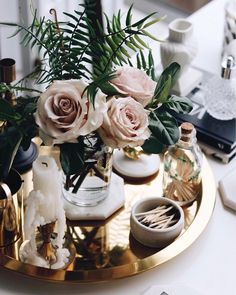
(91, 184)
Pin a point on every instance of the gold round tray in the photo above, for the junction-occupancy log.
(106, 250)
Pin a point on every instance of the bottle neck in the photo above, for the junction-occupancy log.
(187, 140)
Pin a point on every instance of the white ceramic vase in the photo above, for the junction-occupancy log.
(180, 46)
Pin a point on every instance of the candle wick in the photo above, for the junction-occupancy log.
(44, 163)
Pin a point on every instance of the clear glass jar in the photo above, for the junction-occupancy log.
(182, 168)
(91, 185)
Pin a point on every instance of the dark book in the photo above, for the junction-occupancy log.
(216, 133)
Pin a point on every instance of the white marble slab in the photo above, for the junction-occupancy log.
(114, 201)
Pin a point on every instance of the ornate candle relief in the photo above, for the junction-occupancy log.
(44, 210)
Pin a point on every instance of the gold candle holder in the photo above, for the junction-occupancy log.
(46, 249)
(7, 76)
(10, 209)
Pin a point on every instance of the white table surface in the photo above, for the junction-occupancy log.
(209, 264)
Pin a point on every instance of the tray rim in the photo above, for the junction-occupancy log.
(197, 226)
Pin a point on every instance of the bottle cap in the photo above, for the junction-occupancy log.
(227, 66)
(186, 131)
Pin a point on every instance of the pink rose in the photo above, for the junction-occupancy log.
(125, 124)
(135, 83)
(63, 114)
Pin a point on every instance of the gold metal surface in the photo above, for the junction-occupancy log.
(106, 250)
(11, 209)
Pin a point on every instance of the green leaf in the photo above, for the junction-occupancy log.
(152, 22)
(151, 65)
(129, 16)
(141, 41)
(161, 94)
(138, 62)
(108, 89)
(129, 44)
(164, 127)
(165, 83)
(179, 104)
(30, 108)
(135, 43)
(173, 71)
(140, 22)
(72, 157)
(10, 141)
(144, 65)
(125, 52)
(153, 146)
(146, 33)
(108, 25)
(16, 33)
(7, 112)
(71, 16)
(111, 43)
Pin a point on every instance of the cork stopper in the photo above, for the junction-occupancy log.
(7, 70)
(186, 131)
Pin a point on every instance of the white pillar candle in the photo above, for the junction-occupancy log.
(45, 205)
(46, 176)
(47, 180)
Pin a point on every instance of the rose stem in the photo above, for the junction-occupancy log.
(99, 174)
(82, 177)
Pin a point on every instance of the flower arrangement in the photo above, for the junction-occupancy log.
(92, 85)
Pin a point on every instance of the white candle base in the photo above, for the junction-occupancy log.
(30, 256)
(144, 167)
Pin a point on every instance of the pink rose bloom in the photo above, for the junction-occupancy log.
(63, 114)
(135, 83)
(125, 123)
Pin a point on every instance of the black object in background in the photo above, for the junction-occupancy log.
(216, 133)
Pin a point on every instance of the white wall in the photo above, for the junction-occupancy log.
(10, 48)
(21, 10)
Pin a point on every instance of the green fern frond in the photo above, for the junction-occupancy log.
(68, 47)
(146, 63)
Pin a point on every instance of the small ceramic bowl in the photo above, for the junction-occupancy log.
(156, 237)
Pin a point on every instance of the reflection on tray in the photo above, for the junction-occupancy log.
(106, 250)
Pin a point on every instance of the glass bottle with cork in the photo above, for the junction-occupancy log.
(182, 168)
